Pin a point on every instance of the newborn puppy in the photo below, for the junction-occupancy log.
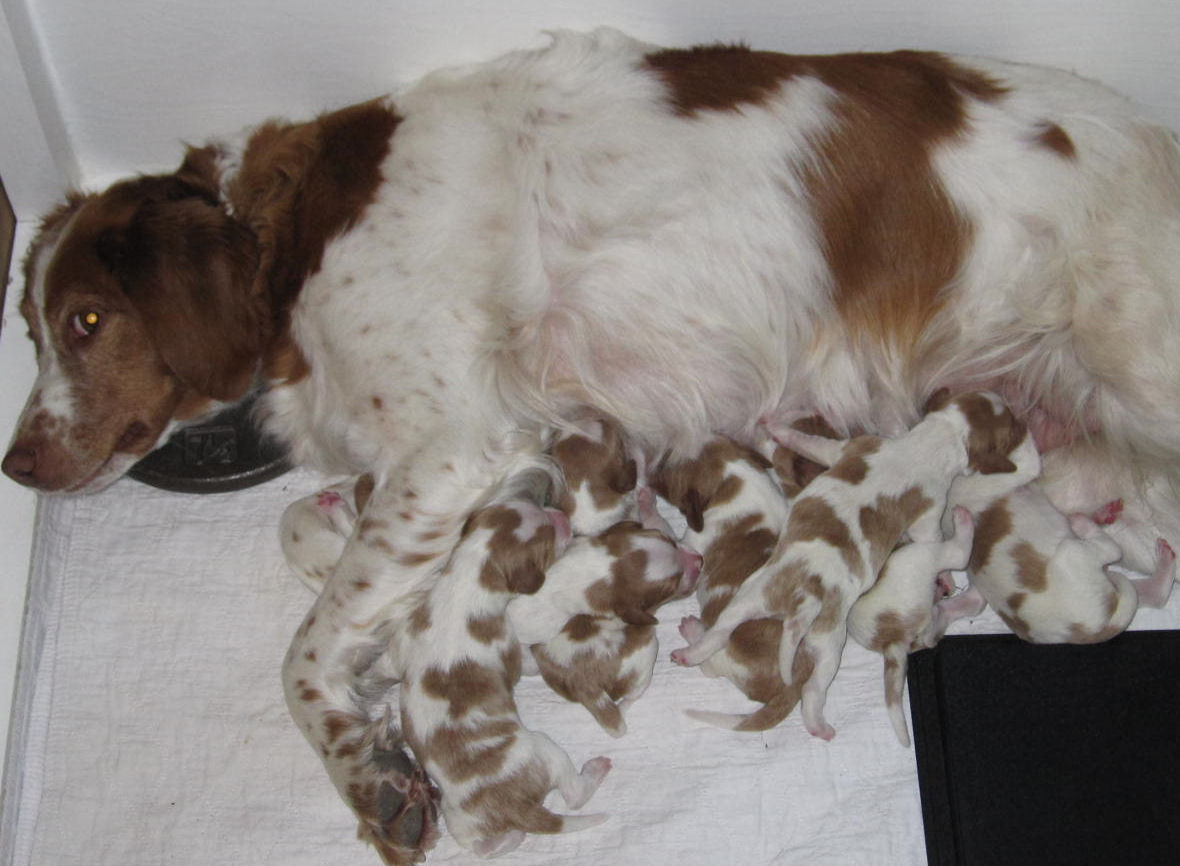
(600, 476)
(735, 508)
(591, 627)
(600, 662)
(1048, 575)
(908, 608)
(626, 571)
(457, 706)
(314, 529)
(840, 532)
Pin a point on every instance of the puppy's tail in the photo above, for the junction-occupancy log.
(895, 669)
(541, 820)
(763, 718)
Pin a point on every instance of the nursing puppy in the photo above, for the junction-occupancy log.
(910, 607)
(314, 529)
(457, 707)
(840, 532)
(600, 662)
(1048, 577)
(591, 627)
(627, 571)
(735, 508)
(601, 475)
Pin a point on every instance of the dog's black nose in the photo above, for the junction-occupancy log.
(20, 464)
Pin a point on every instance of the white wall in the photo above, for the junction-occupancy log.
(132, 77)
(94, 89)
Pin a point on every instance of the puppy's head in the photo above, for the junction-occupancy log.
(994, 436)
(137, 300)
(647, 569)
(695, 485)
(600, 475)
(525, 540)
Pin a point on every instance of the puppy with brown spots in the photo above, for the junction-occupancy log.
(602, 663)
(313, 530)
(457, 707)
(839, 534)
(1048, 575)
(735, 506)
(910, 607)
(601, 475)
(591, 627)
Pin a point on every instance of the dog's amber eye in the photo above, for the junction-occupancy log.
(85, 324)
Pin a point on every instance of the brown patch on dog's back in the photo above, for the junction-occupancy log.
(468, 751)
(467, 686)
(1032, 570)
(884, 522)
(852, 467)
(814, 519)
(992, 525)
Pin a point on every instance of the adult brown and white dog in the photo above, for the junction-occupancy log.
(685, 241)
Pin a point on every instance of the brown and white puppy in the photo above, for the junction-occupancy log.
(600, 662)
(314, 529)
(627, 571)
(735, 507)
(910, 607)
(1048, 576)
(840, 532)
(591, 627)
(601, 475)
(457, 706)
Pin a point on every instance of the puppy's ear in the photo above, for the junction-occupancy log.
(693, 505)
(936, 401)
(525, 578)
(993, 464)
(636, 616)
(624, 478)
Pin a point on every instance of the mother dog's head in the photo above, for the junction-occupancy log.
(125, 294)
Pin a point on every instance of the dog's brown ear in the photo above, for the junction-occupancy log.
(636, 616)
(187, 267)
(936, 401)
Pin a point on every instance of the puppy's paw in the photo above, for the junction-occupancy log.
(691, 628)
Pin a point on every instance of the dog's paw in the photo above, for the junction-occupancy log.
(394, 799)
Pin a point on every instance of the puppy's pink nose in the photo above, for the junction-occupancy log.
(20, 464)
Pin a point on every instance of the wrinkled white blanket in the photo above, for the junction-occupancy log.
(150, 726)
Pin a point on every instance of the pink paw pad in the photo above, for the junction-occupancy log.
(1164, 552)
